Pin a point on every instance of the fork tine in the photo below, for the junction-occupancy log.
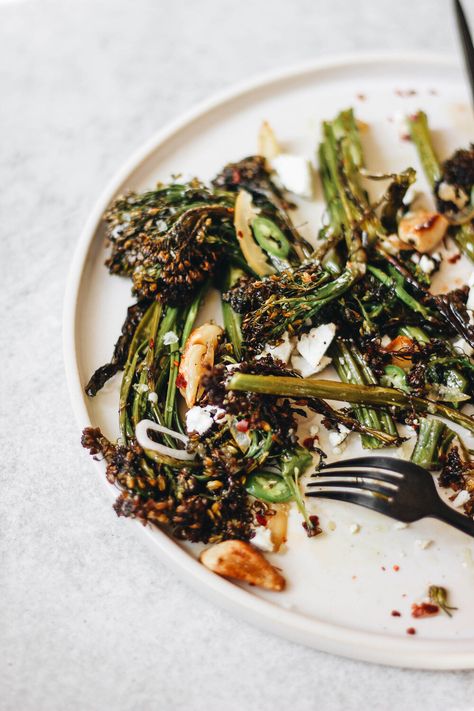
(373, 486)
(373, 472)
(389, 463)
(377, 503)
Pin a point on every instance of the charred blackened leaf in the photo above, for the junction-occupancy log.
(119, 357)
(248, 174)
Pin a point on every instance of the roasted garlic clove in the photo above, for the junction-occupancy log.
(422, 230)
(198, 356)
(239, 560)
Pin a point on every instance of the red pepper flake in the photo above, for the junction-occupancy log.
(181, 381)
(151, 342)
(315, 529)
(455, 258)
(354, 577)
(235, 176)
(395, 613)
(240, 234)
(361, 97)
(309, 442)
(396, 568)
(382, 567)
(424, 609)
(242, 426)
(411, 630)
(405, 137)
(176, 363)
(261, 520)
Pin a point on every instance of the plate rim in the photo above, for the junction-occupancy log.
(296, 627)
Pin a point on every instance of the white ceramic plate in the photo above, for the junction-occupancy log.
(342, 587)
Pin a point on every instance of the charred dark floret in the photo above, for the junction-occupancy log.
(458, 473)
(250, 174)
(458, 173)
(179, 501)
(170, 240)
(279, 302)
(452, 474)
(266, 413)
(175, 266)
(459, 169)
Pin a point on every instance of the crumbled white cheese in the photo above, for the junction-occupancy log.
(461, 499)
(385, 341)
(169, 338)
(295, 172)
(141, 388)
(423, 543)
(153, 397)
(415, 257)
(399, 525)
(280, 351)
(339, 449)
(461, 345)
(312, 346)
(305, 369)
(449, 193)
(313, 430)
(263, 539)
(198, 419)
(426, 264)
(336, 438)
(354, 528)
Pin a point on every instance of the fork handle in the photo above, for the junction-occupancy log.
(454, 518)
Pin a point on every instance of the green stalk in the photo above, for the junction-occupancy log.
(233, 320)
(388, 425)
(348, 373)
(175, 357)
(139, 342)
(294, 464)
(352, 368)
(430, 434)
(346, 392)
(415, 333)
(145, 369)
(433, 443)
(402, 294)
(421, 137)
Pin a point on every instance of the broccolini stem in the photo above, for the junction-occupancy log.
(233, 320)
(396, 283)
(415, 333)
(430, 436)
(351, 368)
(346, 392)
(420, 135)
(169, 411)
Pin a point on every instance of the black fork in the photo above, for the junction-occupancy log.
(394, 487)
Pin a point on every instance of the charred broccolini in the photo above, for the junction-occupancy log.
(219, 475)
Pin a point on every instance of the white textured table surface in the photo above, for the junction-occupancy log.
(89, 618)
